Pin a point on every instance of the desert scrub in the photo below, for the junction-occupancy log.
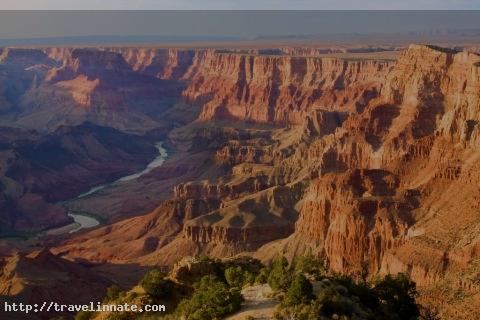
(238, 277)
(113, 293)
(280, 275)
(340, 297)
(262, 276)
(309, 264)
(212, 299)
(156, 285)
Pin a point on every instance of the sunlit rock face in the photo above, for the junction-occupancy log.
(371, 163)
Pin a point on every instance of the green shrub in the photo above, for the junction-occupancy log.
(262, 276)
(309, 264)
(279, 277)
(340, 297)
(155, 284)
(204, 258)
(300, 291)
(113, 293)
(334, 303)
(248, 278)
(238, 277)
(212, 299)
(361, 290)
(235, 276)
(397, 294)
(304, 311)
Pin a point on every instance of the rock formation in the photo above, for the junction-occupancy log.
(279, 89)
(370, 163)
(39, 171)
(41, 277)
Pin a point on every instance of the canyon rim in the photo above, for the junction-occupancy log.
(119, 159)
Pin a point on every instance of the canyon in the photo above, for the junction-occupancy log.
(370, 163)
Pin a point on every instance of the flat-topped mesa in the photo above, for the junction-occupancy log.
(255, 149)
(431, 54)
(279, 89)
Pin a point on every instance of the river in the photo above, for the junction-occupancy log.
(85, 221)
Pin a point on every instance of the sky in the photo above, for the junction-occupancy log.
(238, 4)
(243, 24)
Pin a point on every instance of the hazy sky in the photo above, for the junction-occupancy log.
(249, 24)
(238, 4)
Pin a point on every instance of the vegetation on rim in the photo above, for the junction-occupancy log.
(303, 288)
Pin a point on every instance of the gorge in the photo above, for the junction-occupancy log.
(370, 163)
(83, 221)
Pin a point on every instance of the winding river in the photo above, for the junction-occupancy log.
(83, 221)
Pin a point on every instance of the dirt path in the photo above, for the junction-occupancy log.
(257, 304)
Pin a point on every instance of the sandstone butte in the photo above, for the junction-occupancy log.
(371, 163)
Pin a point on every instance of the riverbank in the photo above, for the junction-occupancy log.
(87, 220)
(157, 162)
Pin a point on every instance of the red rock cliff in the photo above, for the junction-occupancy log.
(279, 89)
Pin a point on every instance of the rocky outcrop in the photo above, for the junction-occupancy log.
(356, 217)
(249, 238)
(161, 63)
(202, 189)
(236, 152)
(246, 223)
(189, 270)
(319, 123)
(93, 64)
(41, 276)
(59, 54)
(279, 89)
